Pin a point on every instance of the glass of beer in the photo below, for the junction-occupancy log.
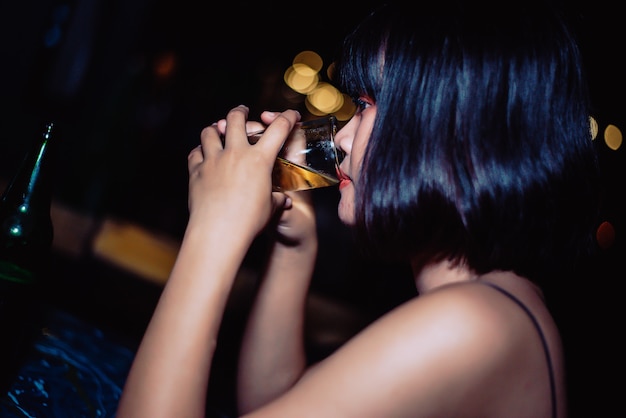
(308, 159)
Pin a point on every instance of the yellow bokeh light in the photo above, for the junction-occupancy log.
(613, 137)
(304, 70)
(330, 71)
(312, 109)
(347, 109)
(300, 82)
(593, 127)
(326, 98)
(304, 76)
(309, 59)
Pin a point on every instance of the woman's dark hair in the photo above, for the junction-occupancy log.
(481, 149)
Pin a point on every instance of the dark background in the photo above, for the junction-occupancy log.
(126, 130)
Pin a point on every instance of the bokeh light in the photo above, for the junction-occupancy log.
(308, 60)
(605, 235)
(300, 81)
(613, 137)
(593, 127)
(165, 65)
(305, 77)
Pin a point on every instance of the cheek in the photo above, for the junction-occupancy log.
(356, 158)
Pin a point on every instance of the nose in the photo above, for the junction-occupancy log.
(342, 143)
(339, 154)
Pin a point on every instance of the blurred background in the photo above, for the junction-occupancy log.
(131, 83)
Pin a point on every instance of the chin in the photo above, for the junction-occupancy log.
(345, 209)
(346, 214)
(346, 221)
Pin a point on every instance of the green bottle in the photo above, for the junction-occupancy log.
(26, 234)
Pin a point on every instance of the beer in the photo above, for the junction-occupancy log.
(288, 176)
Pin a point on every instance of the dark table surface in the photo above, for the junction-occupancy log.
(76, 370)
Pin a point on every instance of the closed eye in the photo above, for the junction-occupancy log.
(361, 103)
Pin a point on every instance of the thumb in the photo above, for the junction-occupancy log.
(280, 201)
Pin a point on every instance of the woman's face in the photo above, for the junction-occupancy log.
(352, 139)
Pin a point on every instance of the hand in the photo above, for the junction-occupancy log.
(230, 179)
(296, 223)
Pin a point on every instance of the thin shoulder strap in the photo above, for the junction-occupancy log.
(541, 336)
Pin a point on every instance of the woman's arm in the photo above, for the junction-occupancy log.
(230, 202)
(272, 355)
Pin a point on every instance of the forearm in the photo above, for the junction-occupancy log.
(169, 376)
(272, 353)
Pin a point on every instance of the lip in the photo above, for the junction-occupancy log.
(344, 179)
(344, 183)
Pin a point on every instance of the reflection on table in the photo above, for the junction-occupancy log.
(77, 370)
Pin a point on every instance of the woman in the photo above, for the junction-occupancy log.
(469, 157)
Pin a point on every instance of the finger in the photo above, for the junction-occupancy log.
(210, 140)
(280, 201)
(251, 126)
(195, 156)
(277, 132)
(235, 134)
(268, 116)
(305, 196)
(221, 126)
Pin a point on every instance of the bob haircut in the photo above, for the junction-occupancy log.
(481, 151)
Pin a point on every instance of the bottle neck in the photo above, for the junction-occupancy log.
(32, 180)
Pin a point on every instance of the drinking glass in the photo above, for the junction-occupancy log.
(308, 159)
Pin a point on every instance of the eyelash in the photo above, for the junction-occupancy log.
(360, 104)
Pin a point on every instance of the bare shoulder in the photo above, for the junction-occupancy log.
(462, 350)
(469, 322)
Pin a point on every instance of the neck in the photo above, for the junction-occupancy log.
(430, 276)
